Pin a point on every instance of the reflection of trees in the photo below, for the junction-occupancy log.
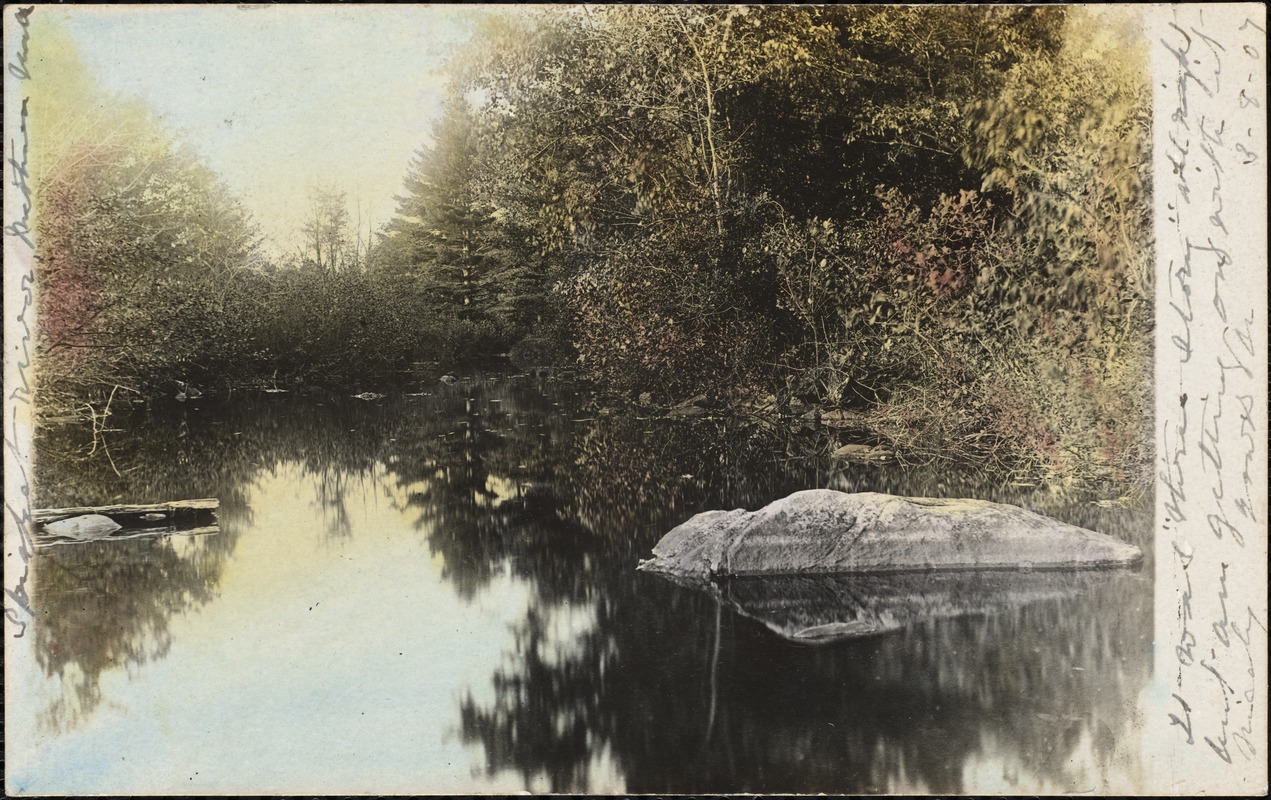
(762, 715)
(681, 697)
(106, 606)
(560, 701)
(332, 488)
(633, 471)
(545, 714)
(103, 606)
(478, 463)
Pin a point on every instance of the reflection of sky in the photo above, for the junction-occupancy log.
(996, 769)
(256, 695)
(282, 97)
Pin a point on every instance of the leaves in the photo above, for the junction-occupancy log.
(863, 202)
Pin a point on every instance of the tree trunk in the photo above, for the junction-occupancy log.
(709, 120)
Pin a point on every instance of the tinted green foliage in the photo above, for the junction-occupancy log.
(936, 214)
(152, 278)
(139, 247)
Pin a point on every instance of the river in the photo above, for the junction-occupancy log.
(436, 592)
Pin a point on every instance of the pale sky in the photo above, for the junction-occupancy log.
(280, 97)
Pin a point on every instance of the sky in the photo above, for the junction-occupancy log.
(278, 98)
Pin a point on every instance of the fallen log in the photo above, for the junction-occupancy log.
(42, 541)
(53, 526)
(132, 512)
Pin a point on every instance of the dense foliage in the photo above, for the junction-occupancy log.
(937, 215)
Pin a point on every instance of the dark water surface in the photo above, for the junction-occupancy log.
(438, 593)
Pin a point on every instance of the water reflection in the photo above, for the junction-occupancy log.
(609, 680)
(107, 605)
(698, 704)
(815, 609)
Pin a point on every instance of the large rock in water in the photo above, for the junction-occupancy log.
(824, 531)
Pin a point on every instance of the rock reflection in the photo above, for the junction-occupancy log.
(817, 609)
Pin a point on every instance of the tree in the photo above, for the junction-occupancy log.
(1067, 143)
(446, 238)
(326, 230)
(138, 243)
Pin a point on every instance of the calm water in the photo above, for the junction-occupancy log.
(437, 593)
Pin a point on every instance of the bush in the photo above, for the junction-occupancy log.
(666, 317)
(352, 327)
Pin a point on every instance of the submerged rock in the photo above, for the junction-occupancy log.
(841, 418)
(692, 407)
(862, 452)
(82, 528)
(824, 531)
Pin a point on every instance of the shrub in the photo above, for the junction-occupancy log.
(665, 316)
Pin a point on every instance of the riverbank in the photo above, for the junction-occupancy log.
(909, 434)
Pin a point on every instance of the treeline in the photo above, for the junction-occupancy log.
(937, 215)
(152, 278)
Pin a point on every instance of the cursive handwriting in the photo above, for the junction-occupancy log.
(20, 292)
(18, 68)
(17, 163)
(1208, 449)
(1186, 639)
(17, 160)
(1244, 735)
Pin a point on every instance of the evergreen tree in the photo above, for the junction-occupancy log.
(443, 236)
